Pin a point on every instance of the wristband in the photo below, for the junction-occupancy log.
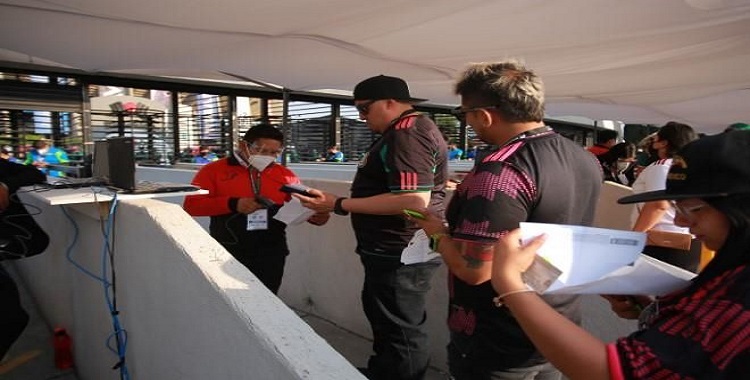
(498, 301)
(435, 240)
(338, 209)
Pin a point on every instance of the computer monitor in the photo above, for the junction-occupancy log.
(100, 165)
(121, 162)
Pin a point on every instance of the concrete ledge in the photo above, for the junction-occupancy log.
(190, 309)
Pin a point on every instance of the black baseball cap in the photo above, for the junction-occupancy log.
(384, 87)
(712, 166)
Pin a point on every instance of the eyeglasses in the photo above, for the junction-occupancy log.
(460, 113)
(262, 151)
(364, 108)
(688, 211)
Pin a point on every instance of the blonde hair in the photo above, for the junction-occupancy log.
(509, 87)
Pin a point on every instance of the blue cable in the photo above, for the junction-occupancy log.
(69, 250)
(119, 333)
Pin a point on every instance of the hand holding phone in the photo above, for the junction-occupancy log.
(414, 214)
(264, 202)
(296, 189)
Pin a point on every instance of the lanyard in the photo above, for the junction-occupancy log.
(255, 181)
(529, 133)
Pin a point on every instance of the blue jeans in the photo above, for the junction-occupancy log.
(393, 298)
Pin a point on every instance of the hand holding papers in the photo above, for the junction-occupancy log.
(293, 212)
(597, 261)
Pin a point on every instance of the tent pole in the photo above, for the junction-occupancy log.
(285, 128)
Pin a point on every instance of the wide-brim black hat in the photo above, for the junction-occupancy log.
(713, 166)
(384, 87)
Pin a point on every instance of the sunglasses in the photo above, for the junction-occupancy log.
(364, 108)
(460, 112)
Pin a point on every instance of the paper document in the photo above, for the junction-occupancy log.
(648, 276)
(418, 250)
(599, 261)
(293, 212)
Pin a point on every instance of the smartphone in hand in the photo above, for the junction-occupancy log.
(297, 189)
(414, 214)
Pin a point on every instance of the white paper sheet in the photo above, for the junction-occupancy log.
(418, 250)
(648, 276)
(293, 212)
(603, 261)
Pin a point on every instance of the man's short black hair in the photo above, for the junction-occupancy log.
(263, 131)
(605, 135)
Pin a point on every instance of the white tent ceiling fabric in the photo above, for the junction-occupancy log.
(639, 61)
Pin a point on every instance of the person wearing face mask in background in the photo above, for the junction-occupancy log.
(659, 215)
(618, 164)
(43, 155)
(243, 196)
(205, 156)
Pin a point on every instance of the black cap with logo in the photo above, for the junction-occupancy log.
(713, 166)
(384, 87)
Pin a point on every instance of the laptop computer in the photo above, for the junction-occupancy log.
(121, 171)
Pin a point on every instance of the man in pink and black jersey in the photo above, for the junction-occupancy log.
(534, 175)
(406, 168)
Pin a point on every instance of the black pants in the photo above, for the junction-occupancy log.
(688, 260)
(13, 318)
(269, 269)
(393, 298)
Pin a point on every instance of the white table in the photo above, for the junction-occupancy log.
(93, 194)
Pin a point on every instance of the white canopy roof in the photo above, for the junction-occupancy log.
(639, 61)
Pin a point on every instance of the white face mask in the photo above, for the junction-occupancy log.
(42, 151)
(260, 162)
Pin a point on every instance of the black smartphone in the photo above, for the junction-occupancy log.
(265, 202)
(296, 188)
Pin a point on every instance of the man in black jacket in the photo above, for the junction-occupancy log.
(20, 236)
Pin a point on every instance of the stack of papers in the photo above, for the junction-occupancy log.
(588, 260)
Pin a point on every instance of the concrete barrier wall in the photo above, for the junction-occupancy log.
(191, 311)
(323, 275)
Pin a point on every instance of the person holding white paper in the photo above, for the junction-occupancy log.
(699, 332)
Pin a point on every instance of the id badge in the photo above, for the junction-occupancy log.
(258, 220)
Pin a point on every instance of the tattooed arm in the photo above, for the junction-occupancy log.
(469, 261)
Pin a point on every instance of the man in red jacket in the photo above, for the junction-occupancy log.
(243, 196)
